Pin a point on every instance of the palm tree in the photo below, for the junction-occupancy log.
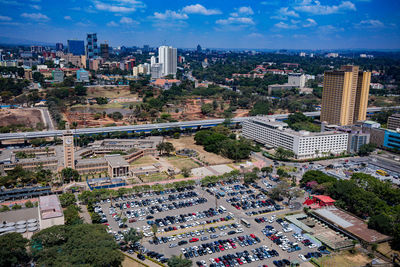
(154, 229)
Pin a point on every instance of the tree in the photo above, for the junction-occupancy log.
(80, 90)
(179, 261)
(132, 236)
(185, 172)
(72, 245)
(67, 199)
(28, 204)
(166, 147)
(154, 230)
(96, 218)
(71, 215)
(267, 170)
(283, 154)
(38, 77)
(207, 109)
(13, 250)
(69, 174)
(366, 149)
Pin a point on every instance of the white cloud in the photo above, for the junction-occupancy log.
(283, 13)
(118, 6)
(126, 20)
(37, 7)
(67, 18)
(255, 35)
(242, 11)
(283, 25)
(315, 7)
(309, 23)
(246, 10)
(328, 29)
(371, 23)
(199, 9)
(5, 18)
(35, 16)
(112, 24)
(236, 20)
(169, 14)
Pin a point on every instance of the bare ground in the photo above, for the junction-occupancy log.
(188, 142)
(26, 117)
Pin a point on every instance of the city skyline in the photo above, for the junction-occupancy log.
(307, 24)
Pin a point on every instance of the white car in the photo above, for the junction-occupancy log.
(301, 256)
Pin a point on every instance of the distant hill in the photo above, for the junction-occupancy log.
(18, 41)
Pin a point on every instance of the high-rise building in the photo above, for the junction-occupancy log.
(345, 95)
(146, 48)
(156, 70)
(59, 47)
(104, 53)
(394, 122)
(198, 49)
(76, 47)
(153, 60)
(167, 56)
(92, 50)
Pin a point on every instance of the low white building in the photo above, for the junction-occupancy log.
(303, 144)
(50, 211)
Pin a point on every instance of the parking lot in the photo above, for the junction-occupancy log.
(212, 226)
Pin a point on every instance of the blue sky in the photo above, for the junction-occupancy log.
(264, 24)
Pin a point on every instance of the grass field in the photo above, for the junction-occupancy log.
(182, 162)
(344, 259)
(146, 160)
(154, 177)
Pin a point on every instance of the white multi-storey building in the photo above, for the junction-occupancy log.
(156, 71)
(153, 60)
(297, 79)
(303, 143)
(167, 55)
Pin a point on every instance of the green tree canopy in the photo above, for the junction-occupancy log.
(13, 250)
(84, 245)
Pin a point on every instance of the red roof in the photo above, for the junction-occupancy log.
(325, 199)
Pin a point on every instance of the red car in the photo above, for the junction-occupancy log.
(252, 235)
(194, 239)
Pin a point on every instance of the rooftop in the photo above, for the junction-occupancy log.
(116, 161)
(50, 207)
(351, 224)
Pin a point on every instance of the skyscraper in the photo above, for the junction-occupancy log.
(167, 56)
(198, 49)
(59, 47)
(92, 50)
(76, 47)
(345, 95)
(104, 51)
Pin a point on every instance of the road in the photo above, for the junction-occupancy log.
(148, 127)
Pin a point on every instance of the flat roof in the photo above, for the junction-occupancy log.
(50, 207)
(116, 161)
(351, 224)
(323, 198)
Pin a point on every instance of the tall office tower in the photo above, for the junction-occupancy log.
(104, 53)
(156, 70)
(198, 49)
(76, 47)
(167, 56)
(146, 48)
(153, 60)
(92, 50)
(59, 47)
(345, 95)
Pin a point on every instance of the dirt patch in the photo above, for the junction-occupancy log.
(188, 142)
(109, 92)
(345, 259)
(26, 117)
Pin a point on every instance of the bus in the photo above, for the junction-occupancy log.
(382, 172)
(245, 223)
